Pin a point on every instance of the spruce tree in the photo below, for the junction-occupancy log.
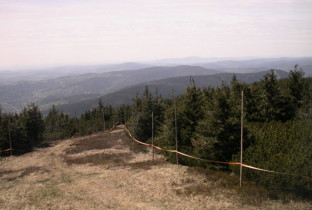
(275, 105)
(296, 86)
(190, 111)
(34, 123)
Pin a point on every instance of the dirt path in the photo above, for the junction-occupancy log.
(107, 171)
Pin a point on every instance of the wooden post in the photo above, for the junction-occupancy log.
(10, 136)
(76, 127)
(242, 130)
(104, 121)
(175, 127)
(153, 134)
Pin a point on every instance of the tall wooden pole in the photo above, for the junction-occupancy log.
(76, 127)
(242, 130)
(175, 126)
(10, 137)
(153, 134)
(104, 121)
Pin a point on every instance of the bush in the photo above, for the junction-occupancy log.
(282, 147)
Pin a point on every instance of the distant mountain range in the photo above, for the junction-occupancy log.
(9, 77)
(238, 65)
(80, 85)
(267, 63)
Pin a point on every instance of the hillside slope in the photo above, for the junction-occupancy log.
(107, 171)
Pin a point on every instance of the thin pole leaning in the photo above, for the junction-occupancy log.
(153, 134)
(242, 130)
(104, 121)
(175, 127)
(10, 137)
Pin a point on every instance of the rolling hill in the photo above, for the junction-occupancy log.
(8, 77)
(81, 87)
(260, 63)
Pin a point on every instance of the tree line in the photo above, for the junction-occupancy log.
(22, 131)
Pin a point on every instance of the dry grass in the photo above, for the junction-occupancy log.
(250, 193)
(11, 175)
(107, 171)
(99, 141)
(98, 159)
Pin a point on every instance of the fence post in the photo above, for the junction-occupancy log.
(175, 126)
(153, 134)
(104, 121)
(242, 130)
(10, 136)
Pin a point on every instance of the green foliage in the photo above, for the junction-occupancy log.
(190, 112)
(276, 135)
(141, 122)
(34, 123)
(25, 130)
(282, 147)
(218, 133)
(274, 105)
(58, 125)
(296, 85)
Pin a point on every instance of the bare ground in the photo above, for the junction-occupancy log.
(108, 171)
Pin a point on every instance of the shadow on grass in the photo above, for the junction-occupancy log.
(99, 159)
(116, 140)
(22, 172)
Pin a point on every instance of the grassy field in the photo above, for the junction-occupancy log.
(108, 171)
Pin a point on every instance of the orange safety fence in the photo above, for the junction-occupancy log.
(175, 151)
(214, 161)
(10, 149)
(113, 126)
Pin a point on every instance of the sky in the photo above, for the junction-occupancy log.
(74, 32)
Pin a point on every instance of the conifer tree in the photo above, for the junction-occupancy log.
(296, 86)
(275, 106)
(34, 123)
(191, 112)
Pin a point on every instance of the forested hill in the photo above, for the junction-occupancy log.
(164, 87)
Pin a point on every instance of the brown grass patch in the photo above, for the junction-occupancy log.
(146, 165)
(190, 186)
(194, 189)
(250, 193)
(100, 141)
(10, 175)
(97, 159)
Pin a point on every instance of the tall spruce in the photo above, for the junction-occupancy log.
(190, 111)
(275, 105)
(34, 123)
(296, 86)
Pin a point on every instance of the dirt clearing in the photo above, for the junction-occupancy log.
(108, 171)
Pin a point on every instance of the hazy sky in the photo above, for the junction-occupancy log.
(58, 32)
